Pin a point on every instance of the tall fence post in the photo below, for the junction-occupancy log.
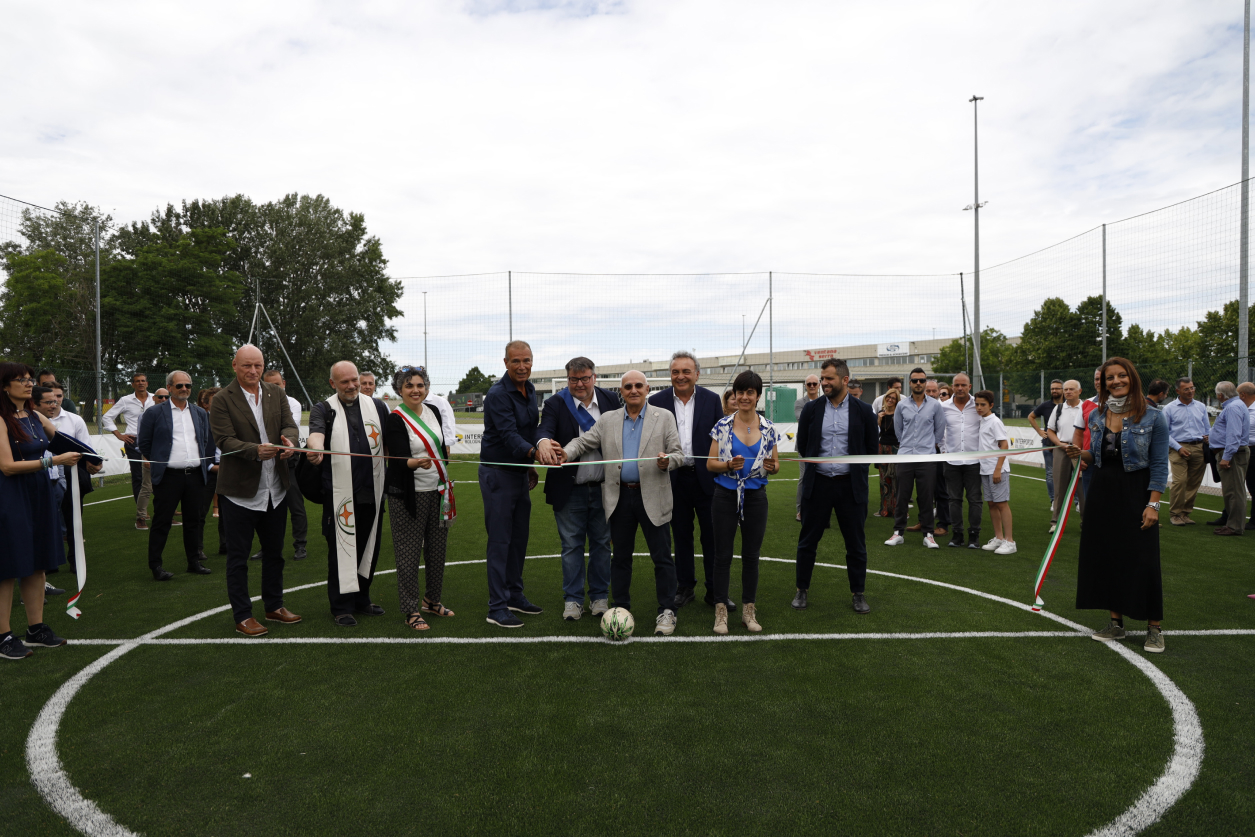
(1002, 396)
(1243, 257)
(100, 379)
(1041, 389)
(1104, 293)
(771, 341)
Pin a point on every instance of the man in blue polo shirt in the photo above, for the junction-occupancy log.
(1228, 440)
(507, 448)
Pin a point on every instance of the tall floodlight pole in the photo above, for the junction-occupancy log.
(978, 377)
(100, 382)
(425, 330)
(1104, 293)
(1244, 257)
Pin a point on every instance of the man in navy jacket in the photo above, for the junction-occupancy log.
(174, 437)
(575, 491)
(697, 411)
(836, 425)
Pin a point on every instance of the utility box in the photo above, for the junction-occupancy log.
(779, 404)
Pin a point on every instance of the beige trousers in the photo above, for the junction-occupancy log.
(1187, 476)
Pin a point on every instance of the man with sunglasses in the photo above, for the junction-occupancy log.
(175, 438)
(129, 408)
(921, 428)
(811, 391)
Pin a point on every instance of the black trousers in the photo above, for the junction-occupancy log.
(690, 501)
(137, 468)
(296, 509)
(913, 475)
(828, 495)
(368, 519)
(724, 515)
(941, 496)
(241, 524)
(178, 485)
(960, 479)
(206, 506)
(628, 515)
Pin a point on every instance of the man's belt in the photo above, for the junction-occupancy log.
(1191, 442)
(634, 486)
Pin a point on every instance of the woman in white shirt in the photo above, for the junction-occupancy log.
(420, 496)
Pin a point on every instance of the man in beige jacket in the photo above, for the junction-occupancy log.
(636, 494)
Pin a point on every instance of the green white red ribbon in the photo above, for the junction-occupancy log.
(76, 538)
(1053, 546)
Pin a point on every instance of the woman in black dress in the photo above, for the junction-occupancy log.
(1119, 560)
(32, 534)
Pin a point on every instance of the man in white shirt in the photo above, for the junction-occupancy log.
(129, 408)
(295, 500)
(1060, 429)
(963, 434)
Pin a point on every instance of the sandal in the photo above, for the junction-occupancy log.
(437, 608)
(417, 622)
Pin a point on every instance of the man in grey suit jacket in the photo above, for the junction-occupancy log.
(637, 493)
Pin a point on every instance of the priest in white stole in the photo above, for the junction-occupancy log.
(352, 518)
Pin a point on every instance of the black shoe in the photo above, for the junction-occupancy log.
(49, 590)
(195, 568)
(13, 649)
(731, 605)
(683, 596)
(201, 556)
(799, 601)
(161, 575)
(1249, 525)
(300, 554)
(860, 604)
(371, 609)
(710, 600)
(1219, 521)
(41, 636)
(957, 540)
(345, 620)
(256, 556)
(524, 606)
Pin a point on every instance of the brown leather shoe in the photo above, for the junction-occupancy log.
(1225, 530)
(251, 627)
(283, 615)
(940, 530)
(915, 528)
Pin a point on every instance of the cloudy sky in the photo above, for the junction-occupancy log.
(639, 136)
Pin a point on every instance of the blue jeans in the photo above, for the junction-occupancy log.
(582, 517)
(507, 517)
(1049, 457)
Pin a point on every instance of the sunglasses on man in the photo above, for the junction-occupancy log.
(160, 397)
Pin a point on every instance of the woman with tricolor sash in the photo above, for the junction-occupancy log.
(420, 495)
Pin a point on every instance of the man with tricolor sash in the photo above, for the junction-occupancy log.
(351, 429)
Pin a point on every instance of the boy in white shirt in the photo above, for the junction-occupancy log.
(995, 474)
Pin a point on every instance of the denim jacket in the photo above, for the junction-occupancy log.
(1143, 444)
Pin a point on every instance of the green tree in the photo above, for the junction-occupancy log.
(994, 352)
(474, 381)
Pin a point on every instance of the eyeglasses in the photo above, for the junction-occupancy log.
(413, 369)
(812, 385)
(581, 380)
(919, 380)
(160, 397)
(23, 380)
(181, 386)
(636, 386)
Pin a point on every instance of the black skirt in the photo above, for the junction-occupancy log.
(1119, 560)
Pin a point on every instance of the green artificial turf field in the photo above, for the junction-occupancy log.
(846, 729)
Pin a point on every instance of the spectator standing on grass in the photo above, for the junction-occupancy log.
(48, 402)
(728, 408)
(943, 393)
(1188, 430)
(1246, 392)
(1157, 393)
(696, 413)
(1038, 420)
(637, 494)
(204, 400)
(878, 402)
(254, 429)
(175, 438)
(888, 439)
(367, 384)
(575, 492)
(811, 391)
(421, 502)
(129, 408)
(1060, 430)
(838, 425)
(1118, 569)
(294, 498)
(352, 490)
(995, 475)
(855, 388)
(941, 495)
(1080, 436)
(920, 426)
(48, 378)
(1229, 447)
(507, 453)
(743, 452)
(28, 518)
(963, 476)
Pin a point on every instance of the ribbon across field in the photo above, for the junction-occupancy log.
(76, 539)
(905, 458)
(1053, 546)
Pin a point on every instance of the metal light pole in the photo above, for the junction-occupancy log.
(1104, 293)
(1244, 260)
(978, 377)
(100, 396)
(425, 330)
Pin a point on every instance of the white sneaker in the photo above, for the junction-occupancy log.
(600, 606)
(665, 623)
(896, 540)
(1053, 527)
(993, 544)
(929, 542)
(573, 611)
(1007, 548)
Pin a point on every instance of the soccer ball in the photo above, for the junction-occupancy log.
(617, 624)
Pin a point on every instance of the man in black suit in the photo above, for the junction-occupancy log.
(696, 412)
(836, 425)
(575, 492)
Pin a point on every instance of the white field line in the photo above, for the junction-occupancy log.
(49, 777)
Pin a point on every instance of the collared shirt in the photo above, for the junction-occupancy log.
(184, 452)
(920, 428)
(1232, 428)
(1186, 422)
(510, 422)
(962, 429)
(1065, 420)
(295, 407)
(632, 445)
(585, 474)
(993, 431)
(1250, 439)
(71, 425)
(269, 489)
(835, 437)
(684, 424)
(129, 408)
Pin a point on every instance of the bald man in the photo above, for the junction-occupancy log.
(253, 427)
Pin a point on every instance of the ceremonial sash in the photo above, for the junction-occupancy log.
(582, 417)
(342, 490)
(435, 452)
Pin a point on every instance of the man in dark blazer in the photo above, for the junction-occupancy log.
(174, 436)
(835, 425)
(697, 411)
(575, 492)
(253, 426)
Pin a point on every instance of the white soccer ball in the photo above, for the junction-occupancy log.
(617, 624)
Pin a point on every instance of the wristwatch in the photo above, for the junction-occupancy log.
(1154, 505)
